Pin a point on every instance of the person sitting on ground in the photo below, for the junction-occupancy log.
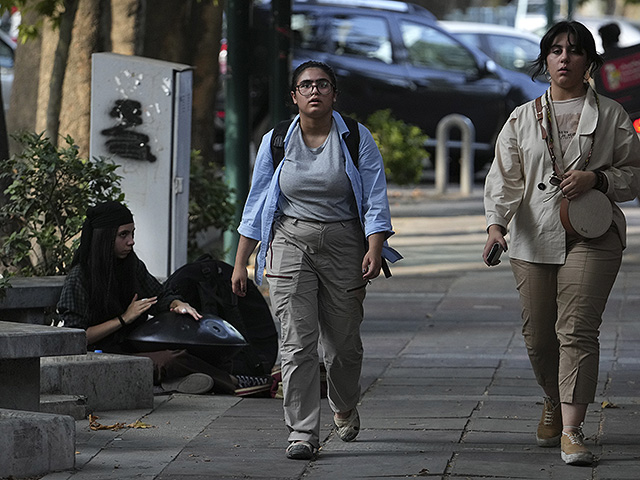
(109, 292)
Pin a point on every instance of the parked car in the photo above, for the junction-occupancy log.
(395, 55)
(510, 48)
(7, 50)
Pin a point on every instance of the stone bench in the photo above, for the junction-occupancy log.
(31, 442)
(34, 443)
(29, 298)
(107, 381)
(21, 346)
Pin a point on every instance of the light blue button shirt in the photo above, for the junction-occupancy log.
(367, 180)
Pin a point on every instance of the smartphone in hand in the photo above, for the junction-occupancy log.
(494, 255)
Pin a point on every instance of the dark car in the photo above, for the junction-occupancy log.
(395, 55)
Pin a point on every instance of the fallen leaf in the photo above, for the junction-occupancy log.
(139, 424)
(95, 425)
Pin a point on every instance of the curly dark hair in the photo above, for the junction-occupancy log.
(579, 36)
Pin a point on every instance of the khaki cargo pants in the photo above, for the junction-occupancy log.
(314, 271)
(562, 308)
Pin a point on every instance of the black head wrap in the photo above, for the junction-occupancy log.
(110, 214)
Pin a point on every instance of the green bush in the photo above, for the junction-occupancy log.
(401, 145)
(210, 203)
(50, 189)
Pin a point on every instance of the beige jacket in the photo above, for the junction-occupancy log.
(522, 164)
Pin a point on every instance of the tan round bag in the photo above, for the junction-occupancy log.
(589, 216)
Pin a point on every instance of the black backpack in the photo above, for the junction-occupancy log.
(206, 285)
(280, 131)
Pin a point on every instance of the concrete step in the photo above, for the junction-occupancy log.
(35, 443)
(107, 381)
(75, 406)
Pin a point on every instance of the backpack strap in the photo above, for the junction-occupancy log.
(280, 131)
(277, 141)
(352, 139)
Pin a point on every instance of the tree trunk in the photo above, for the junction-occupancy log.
(57, 98)
(23, 105)
(127, 27)
(75, 112)
(205, 82)
(190, 35)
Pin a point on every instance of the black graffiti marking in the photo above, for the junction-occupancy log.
(126, 142)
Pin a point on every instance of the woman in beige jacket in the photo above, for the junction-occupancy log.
(573, 141)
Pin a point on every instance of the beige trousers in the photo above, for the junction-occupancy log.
(314, 271)
(562, 308)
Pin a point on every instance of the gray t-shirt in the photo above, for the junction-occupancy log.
(314, 182)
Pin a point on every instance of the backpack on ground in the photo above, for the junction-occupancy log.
(206, 285)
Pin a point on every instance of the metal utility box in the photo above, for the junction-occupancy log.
(141, 118)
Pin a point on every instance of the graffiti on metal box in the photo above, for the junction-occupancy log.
(125, 141)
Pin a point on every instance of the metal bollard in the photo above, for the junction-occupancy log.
(442, 152)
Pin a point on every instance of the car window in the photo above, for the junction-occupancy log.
(429, 47)
(512, 52)
(471, 39)
(361, 36)
(305, 30)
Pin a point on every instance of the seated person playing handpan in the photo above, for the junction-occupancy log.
(109, 292)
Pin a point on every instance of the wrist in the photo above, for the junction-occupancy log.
(600, 181)
(122, 321)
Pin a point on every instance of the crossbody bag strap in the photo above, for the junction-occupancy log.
(543, 132)
(539, 116)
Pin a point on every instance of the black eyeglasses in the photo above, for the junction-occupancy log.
(324, 87)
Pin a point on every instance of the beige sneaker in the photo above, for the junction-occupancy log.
(573, 450)
(550, 426)
(348, 428)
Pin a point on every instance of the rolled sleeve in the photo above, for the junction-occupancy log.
(251, 223)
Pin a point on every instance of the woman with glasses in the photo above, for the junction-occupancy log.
(322, 222)
(551, 154)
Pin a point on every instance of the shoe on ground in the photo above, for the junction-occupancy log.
(348, 428)
(573, 450)
(194, 384)
(248, 385)
(550, 426)
(300, 450)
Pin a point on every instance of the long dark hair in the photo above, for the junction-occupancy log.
(579, 36)
(111, 282)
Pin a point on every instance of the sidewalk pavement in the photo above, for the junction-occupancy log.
(447, 387)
